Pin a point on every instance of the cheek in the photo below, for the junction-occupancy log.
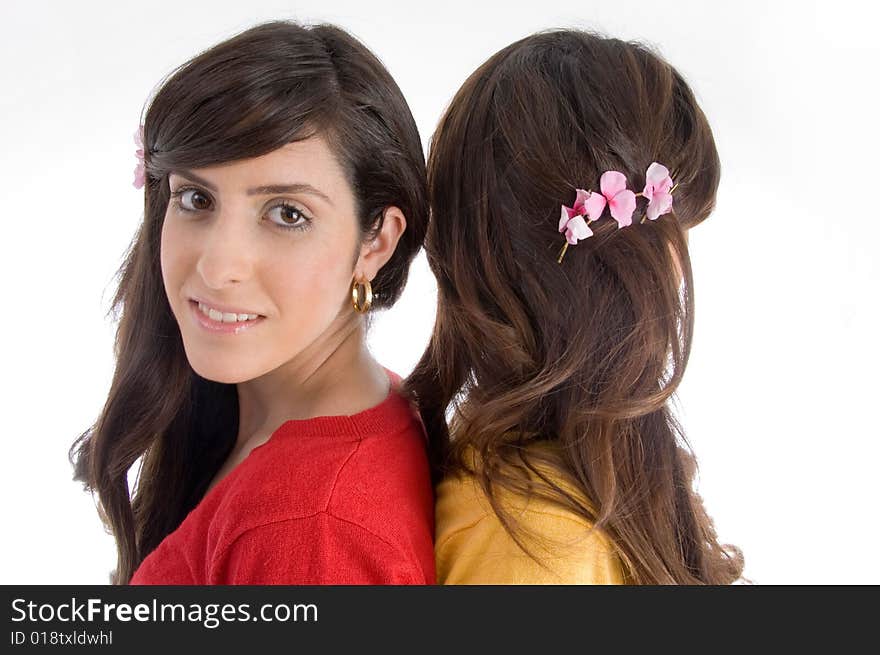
(172, 260)
(312, 291)
(309, 288)
(164, 254)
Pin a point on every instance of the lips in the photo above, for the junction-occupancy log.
(225, 317)
(223, 308)
(228, 322)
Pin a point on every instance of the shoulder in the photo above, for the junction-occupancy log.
(317, 549)
(386, 464)
(285, 479)
(332, 464)
(385, 489)
(473, 546)
(365, 499)
(388, 470)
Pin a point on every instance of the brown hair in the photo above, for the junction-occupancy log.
(588, 353)
(270, 85)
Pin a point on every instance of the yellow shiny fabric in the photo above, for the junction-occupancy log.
(472, 546)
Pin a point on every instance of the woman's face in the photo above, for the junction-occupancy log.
(258, 257)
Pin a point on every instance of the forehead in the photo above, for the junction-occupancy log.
(310, 161)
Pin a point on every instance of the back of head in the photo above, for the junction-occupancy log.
(586, 352)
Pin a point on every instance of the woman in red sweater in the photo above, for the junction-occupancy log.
(284, 199)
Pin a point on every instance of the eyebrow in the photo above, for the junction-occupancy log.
(267, 190)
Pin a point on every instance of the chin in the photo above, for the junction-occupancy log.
(225, 370)
(222, 374)
(223, 377)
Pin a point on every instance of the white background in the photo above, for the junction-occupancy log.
(780, 396)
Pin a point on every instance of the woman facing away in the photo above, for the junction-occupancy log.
(562, 180)
(284, 197)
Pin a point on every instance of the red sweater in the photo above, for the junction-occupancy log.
(326, 500)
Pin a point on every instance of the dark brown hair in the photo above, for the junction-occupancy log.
(273, 84)
(587, 353)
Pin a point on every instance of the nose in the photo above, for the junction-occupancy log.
(226, 256)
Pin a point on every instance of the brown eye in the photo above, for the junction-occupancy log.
(286, 215)
(191, 200)
(198, 199)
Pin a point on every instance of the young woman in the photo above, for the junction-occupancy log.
(562, 180)
(284, 199)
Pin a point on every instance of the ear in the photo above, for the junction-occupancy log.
(376, 253)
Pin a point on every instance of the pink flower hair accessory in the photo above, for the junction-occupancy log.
(658, 191)
(139, 176)
(620, 201)
(571, 220)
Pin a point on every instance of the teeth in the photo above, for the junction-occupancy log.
(225, 317)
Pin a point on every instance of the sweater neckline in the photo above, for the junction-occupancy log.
(390, 415)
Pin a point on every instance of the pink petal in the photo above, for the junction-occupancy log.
(580, 201)
(656, 180)
(659, 205)
(612, 183)
(577, 229)
(622, 207)
(138, 176)
(594, 206)
(665, 203)
(564, 217)
(656, 173)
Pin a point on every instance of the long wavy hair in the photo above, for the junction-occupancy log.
(273, 84)
(587, 353)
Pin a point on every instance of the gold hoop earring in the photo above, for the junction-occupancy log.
(361, 308)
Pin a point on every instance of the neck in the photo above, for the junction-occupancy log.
(335, 375)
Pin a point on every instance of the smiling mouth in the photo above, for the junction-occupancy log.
(225, 317)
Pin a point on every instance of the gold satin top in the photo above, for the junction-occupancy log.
(472, 546)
